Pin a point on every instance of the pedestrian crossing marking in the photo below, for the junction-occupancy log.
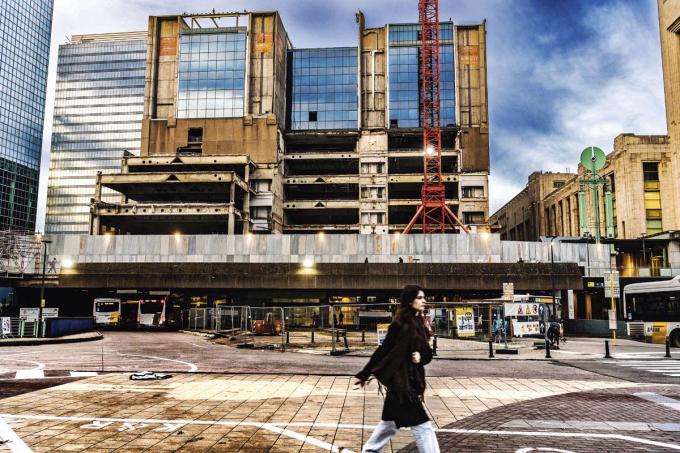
(666, 367)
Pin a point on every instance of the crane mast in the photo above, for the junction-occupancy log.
(433, 213)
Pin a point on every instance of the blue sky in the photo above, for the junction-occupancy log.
(562, 74)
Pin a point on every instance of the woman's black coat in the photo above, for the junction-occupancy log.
(391, 364)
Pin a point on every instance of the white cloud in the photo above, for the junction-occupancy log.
(595, 102)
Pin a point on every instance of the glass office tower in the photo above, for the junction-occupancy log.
(25, 29)
(98, 106)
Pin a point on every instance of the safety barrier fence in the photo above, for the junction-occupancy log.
(337, 327)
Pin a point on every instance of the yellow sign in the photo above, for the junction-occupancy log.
(465, 321)
(382, 332)
(42, 303)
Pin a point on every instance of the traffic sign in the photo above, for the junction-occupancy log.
(609, 284)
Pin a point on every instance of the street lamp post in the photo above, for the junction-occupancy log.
(552, 276)
(42, 284)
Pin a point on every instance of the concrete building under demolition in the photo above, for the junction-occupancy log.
(242, 132)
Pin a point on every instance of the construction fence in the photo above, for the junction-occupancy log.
(342, 326)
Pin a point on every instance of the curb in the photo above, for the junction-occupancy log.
(35, 342)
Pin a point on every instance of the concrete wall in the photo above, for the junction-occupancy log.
(318, 248)
(669, 27)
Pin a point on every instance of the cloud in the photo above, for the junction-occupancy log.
(587, 92)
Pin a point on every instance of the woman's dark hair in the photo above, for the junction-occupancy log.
(408, 295)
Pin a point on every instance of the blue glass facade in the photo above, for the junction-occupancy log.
(212, 75)
(404, 75)
(25, 28)
(324, 88)
(98, 107)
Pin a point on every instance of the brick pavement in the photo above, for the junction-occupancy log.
(550, 422)
(247, 412)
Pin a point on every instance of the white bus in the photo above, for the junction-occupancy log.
(653, 309)
(151, 313)
(107, 312)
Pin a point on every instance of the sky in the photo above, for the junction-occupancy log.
(562, 74)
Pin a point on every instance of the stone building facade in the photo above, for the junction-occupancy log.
(640, 173)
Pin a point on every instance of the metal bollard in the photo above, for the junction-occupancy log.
(346, 344)
(668, 348)
(363, 336)
(312, 336)
(491, 356)
(434, 345)
(547, 350)
(287, 337)
(606, 350)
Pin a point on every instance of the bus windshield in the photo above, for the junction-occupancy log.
(151, 307)
(107, 307)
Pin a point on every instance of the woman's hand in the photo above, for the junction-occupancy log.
(415, 357)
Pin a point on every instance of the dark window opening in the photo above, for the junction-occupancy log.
(195, 135)
(312, 116)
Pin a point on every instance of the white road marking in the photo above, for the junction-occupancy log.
(30, 374)
(270, 426)
(659, 399)
(191, 366)
(83, 373)
(530, 449)
(10, 439)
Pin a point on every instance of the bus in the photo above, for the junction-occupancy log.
(151, 313)
(653, 309)
(107, 312)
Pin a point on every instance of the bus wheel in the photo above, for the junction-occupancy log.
(675, 338)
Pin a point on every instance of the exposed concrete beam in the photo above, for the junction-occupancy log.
(434, 276)
(415, 202)
(162, 209)
(419, 178)
(119, 181)
(321, 180)
(317, 156)
(322, 204)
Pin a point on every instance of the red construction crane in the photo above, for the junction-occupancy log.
(433, 213)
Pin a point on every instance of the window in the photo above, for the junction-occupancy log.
(558, 184)
(373, 192)
(652, 197)
(473, 218)
(195, 135)
(372, 168)
(324, 88)
(404, 75)
(473, 192)
(212, 74)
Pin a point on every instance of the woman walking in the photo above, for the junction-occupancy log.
(398, 364)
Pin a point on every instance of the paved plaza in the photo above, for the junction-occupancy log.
(78, 397)
(249, 412)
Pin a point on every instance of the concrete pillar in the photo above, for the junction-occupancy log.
(231, 217)
(98, 188)
(674, 255)
(246, 202)
(589, 306)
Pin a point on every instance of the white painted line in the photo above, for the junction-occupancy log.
(83, 373)
(305, 439)
(659, 399)
(38, 365)
(191, 366)
(268, 426)
(30, 374)
(10, 439)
